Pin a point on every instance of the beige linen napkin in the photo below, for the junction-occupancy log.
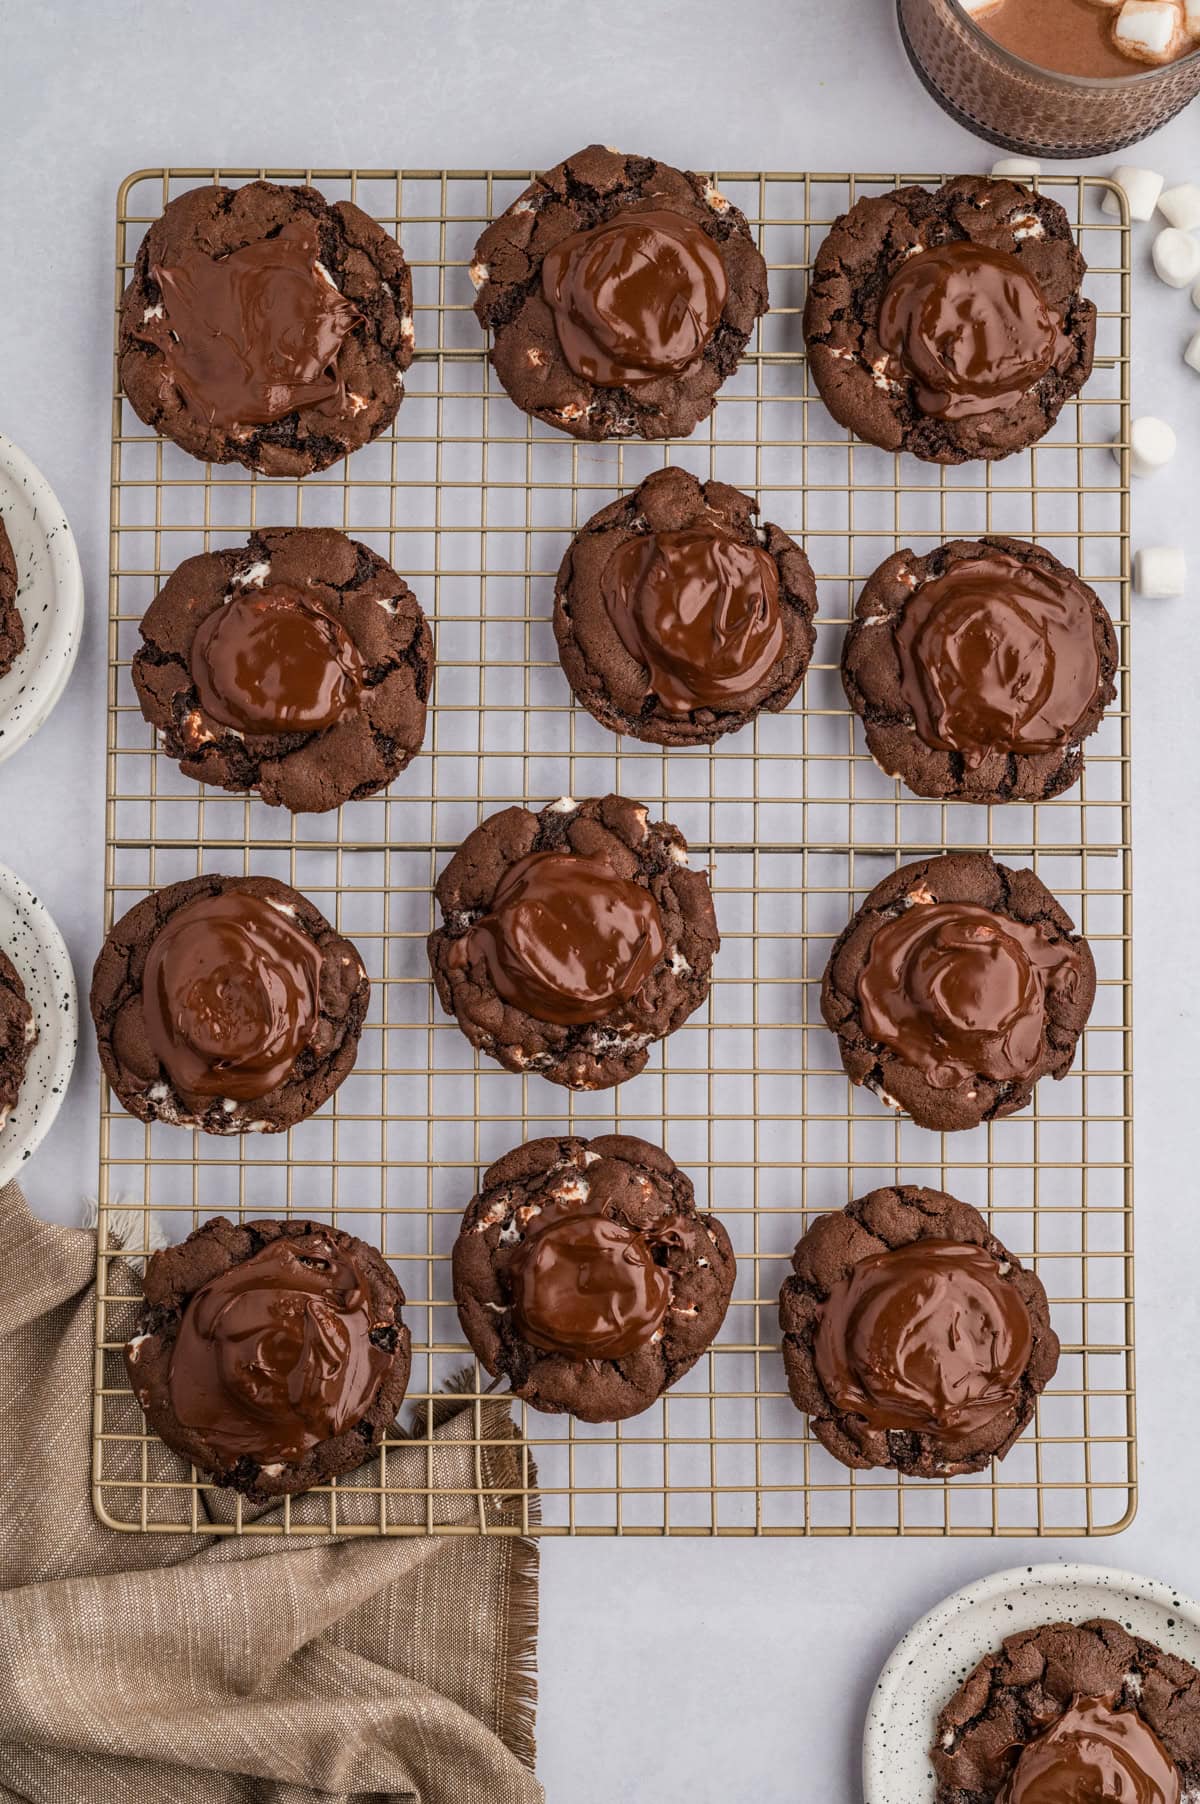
(172, 1669)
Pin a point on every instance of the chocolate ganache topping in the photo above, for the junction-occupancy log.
(998, 655)
(970, 327)
(926, 1338)
(276, 1354)
(273, 661)
(566, 939)
(230, 995)
(957, 991)
(252, 335)
(587, 1286)
(636, 298)
(1093, 1753)
(699, 610)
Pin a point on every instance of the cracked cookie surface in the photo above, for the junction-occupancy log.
(869, 391)
(130, 1061)
(366, 269)
(305, 771)
(612, 683)
(827, 1254)
(12, 627)
(175, 1274)
(975, 881)
(872, 677)
(584, 191)
(18, 1035)
(1015, 1694)
(650, 856)
(633, 1184)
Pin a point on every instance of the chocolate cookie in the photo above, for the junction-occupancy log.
(273, 1356)
(956, 986)
(620, 294)
(573, 939)
(949, 323)
(1071, 1711)
(18, 1035)
(585, 1274)
(12, 627)
(298, 665)
(911, 1337)
(979, 669)
(677, 618)
(265, 327)
(227, 1003)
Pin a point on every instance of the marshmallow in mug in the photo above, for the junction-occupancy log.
(1146, 31)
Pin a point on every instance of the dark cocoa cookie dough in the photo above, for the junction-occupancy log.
(874, 679)
(249, 1436)
(751, 645)
(128, 1051)
(381, 729)
(648, 861)
(12, 627)
(826, 1256)
(871, 390)
(18, 1035)
(689, 1271)
(1016, 1695)
(1022, 955)
(347, 380)
(588, 190)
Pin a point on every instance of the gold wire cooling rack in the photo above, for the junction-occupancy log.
(473, 502)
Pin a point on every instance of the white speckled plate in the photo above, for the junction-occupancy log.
(35, 946)
(939, 1651)
(49, 597)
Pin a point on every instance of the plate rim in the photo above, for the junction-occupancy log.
(51, 941)
(67, 575)
(985, 1590)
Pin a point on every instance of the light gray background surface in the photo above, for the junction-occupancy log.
(716, 1672)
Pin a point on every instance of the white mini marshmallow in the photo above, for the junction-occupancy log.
(1191, 18)
(1176, 257)
(1147, 29)
(1181, 206)
(1192, 355)
(1151, 445)
(977, 8)
(1160, 572)
(1016, 166)
(1141, 188)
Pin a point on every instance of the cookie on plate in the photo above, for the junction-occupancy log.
(12, 627)
(584, 1272)
(18, 1035)
(298, 665)
(229, 1004)
(620, 294)
(956, 986)
(272, 1356)
(949, 322)
(978, 670)
(573, 938)
(677, 617)
(265, 327)
(911, 1337)
(1071, 1711)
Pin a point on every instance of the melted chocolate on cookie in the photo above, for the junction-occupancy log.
(588, 1287)
(926, 1338)
(970, 327)
(957, 991)
(699, 610)
(230, 996)
(566, 939)
(636, 298)
(276, 1354)
(251, 336)
(1094, 1751)
(998, 654)
(273, 661)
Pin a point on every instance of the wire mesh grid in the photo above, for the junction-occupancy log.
(474, 503)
